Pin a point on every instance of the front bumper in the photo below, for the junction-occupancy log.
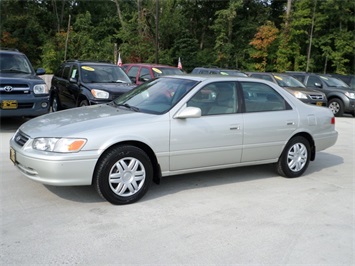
(27, 105)
(75, 169)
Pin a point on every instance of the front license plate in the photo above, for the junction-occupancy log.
(9, 104)
(319, 103)
(12, 155)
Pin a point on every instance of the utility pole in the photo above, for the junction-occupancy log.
(66, 41)
(157, 31)
(311, 37)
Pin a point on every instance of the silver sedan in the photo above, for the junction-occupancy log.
(168, 126)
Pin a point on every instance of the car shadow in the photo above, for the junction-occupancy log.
(11, 124)
(177, 183)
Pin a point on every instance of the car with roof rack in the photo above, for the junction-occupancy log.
(79, 83)
(22, 92)
(293, 86)
(341, 97)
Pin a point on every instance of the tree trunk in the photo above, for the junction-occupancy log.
(119, 13)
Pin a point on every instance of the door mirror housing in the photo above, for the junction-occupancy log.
(189, 112)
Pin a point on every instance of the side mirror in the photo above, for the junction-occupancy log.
(189, 112)
(73, 80)
(40, 71)
(318, 85)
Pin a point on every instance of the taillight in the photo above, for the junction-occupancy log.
(332, 121)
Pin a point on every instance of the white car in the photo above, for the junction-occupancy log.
(172, 125)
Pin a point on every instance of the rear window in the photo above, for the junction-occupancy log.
(159, 71)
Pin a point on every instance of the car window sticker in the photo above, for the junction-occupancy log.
(88, 68)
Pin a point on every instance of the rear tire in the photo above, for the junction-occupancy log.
(123, 175)
(295, 158)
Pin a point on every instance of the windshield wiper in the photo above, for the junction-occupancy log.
(133, 108)
(13, 71)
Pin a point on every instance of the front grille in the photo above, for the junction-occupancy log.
(11, 89)
(20, 138)
(316, 96)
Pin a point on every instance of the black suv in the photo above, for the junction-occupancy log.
(79, 83)
(293, 86)
(22, 93)
(341, 98)
(218, 71)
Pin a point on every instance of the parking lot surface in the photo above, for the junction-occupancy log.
(239, 216)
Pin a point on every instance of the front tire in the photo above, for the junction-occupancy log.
(123, 175)
(337, 107)
(83, 103)
(55, 103)
(295, 158)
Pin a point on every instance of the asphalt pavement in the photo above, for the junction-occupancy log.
(239, 216)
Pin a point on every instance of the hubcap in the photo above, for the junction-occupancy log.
(297, 157)
(54, 105)
(334, 106)
(127, 177)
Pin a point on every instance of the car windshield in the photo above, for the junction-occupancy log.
(159, 71)
(233, 73)
(333, 82)
(103, 74)
(14, 63)
(287, 81)
(156, 96)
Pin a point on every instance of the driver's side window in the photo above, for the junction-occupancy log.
(216, 98)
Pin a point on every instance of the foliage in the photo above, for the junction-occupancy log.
(244, 34)
(262, 41)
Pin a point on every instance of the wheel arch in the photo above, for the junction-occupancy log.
(148, 150)
(338, 96)
(309, 138)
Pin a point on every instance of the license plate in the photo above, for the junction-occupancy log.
(319, 103)
(12, 155)
(9, 104)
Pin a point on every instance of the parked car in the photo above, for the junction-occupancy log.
(79, 83)
(140, 72)
(172, 125)
(218, 71)
(341, 98)
(22, 92)
(294, 87)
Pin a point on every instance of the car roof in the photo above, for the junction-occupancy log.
(205, 77)
(147, 65)
(88, 62)
(10, 51)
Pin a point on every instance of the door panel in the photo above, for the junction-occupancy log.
(269, 121)
(213, 139)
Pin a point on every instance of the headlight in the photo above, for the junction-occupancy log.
(99, 94)
(40, 89)
(58, 144)
(351, 95)
(300, 95)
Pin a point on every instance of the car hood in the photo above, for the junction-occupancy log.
(19, 78)
(74, 122)
(111, 87)
(341, 89)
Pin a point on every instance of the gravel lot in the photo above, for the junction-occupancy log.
(240, 216)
